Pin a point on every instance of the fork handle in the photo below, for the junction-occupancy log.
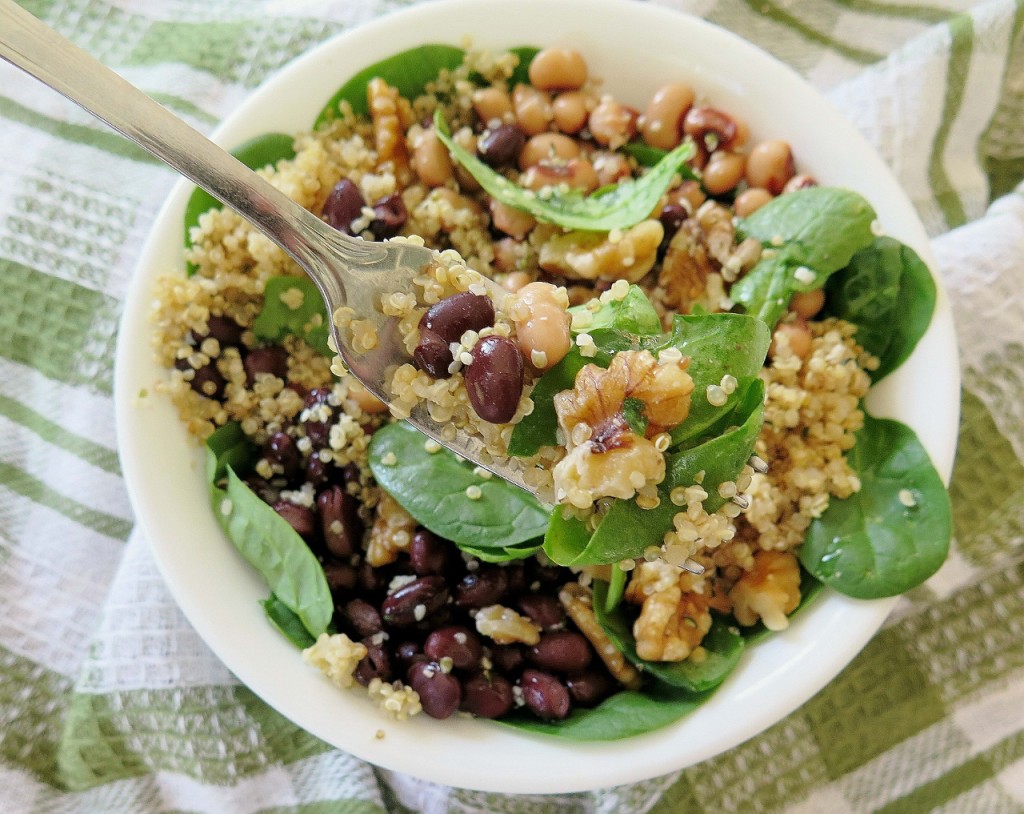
(41, 52)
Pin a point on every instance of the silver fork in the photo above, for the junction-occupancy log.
(348, 272)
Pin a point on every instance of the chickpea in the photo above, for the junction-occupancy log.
(750, 200)
(723, 172)
(512, 222)
(492, 104)
(542, 325)
(508, 254)
(689, 195)
(558, 69)
(367, 402)
(430, 159)
(770, 165)
(799, 182)
(610, 167)
(807, 304)
(662, 122)
(612, 124)
(577, 173)
(545, 147)
(570, 111)
(532, 108)
(515, 280)
(796, 335)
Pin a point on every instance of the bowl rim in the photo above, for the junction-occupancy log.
(458, 755)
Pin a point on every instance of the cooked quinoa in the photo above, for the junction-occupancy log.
(220, 372)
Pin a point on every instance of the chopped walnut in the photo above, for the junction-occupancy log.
(685, 269)
(719, 232)
(391, 114)
(392, 532)
(505, 626)
(336, 657)
(674, 616)
(606, 458)
(627, 255)
(579, 606)
(770, 592)
(396, 699)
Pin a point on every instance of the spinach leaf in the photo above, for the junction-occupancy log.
(287, 623)
(409, 71)
(432, 488)
(622, 715)
(873, 544)
(625, 205)
(889, 294)
(272, 547)
(633, 314)
(309, 321)
(227, 447)
(811, 232)
(635, 413)
(723, 644)
(626, 530)
(612, 591)
(256, 153)
(507, 554)
(540, 428)
(521, 75)
(647, 156)
(717, 344)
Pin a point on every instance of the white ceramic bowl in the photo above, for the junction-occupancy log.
(634, 47)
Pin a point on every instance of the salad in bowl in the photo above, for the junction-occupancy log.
(692, 318)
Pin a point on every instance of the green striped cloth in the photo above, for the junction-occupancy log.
(109, 702)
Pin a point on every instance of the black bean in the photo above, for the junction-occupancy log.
(485, 586)
(390, 216)
(544, 694)
(208, 381)
(562, 651)
(428, 554)
(445, 322)
(316, 471)
(487, 695)
(456, 642)
(414, 601)
(590, 688)
(343, 205)
(265, 491)
(409, 653)
(508, 658)
(440, 692)
(501, 145)
(364, 617)
(542, 609)
(339, 519)
(224, 329)
(281, 452)
(340, 576)
(317, 431)
(271, 359)
(371, 579)
(375, 664)
(494, 381)
(299, 518)
(672, 217)
(350, 474)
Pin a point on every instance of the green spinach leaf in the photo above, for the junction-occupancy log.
(889, 294)
(633, 314)
(521, 75)
(622, 715)
(227, 447)
(540, 428)
(432, 488)
(894, 533)
(507, 554)
(272, 547)
(287, 623)
(409, 71)
(309, 321)
(808, 235)
(625, 205)
(723, 644)
(256, 153)
(626, 530)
